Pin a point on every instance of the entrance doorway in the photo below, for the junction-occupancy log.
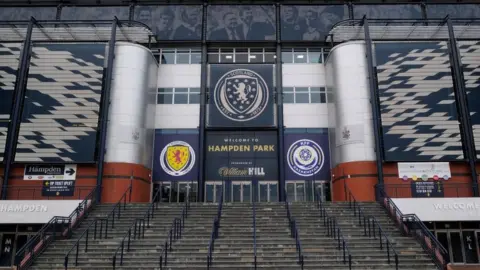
(321, 191)
(213, 191)
(462, 246)
(176, 192)
(296, 191)
(241, 191)
(268, 191)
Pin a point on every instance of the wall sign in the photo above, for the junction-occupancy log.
(424, 171)
(175, 157)
(307, 156)
(52, 188)
(38, 211)
(241, 95)
(441, 209)
(427, 189)
(241, 156)
(50, 172)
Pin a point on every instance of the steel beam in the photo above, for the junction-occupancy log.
(203, 111)
(462, 105)
(279, 99)
(374, 101)
(105, 104)
(16, 112)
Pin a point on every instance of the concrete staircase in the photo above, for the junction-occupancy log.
(100, 251)
(234, 249)
(366, 251)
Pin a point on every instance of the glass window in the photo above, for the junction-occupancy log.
(397, 11)
(168, 56)
(288, 89)
(315, 97)
(94, 13)
(181, 90)
(301, 98)
(226, 58)
(165, 90)
(440, 11)
(257, 21)
(301, 89)
(213, 57)
(310, 22)
(194, 98)
(287, 56)
(300, 56)
(183, 57)
(256, 57)
(181, 98)
(314, 56)
(24, 13)
(196, 57)
(195, 90)
(330, 97)
(171, 22)
(165, 99)
(288, 98)
(270, 57)
(241, 57)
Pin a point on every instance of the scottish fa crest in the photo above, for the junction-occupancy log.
(177, 158)
(305, 157)
(241, 95)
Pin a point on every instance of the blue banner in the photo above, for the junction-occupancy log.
(307, 157)
(175, 157)
(241, 96)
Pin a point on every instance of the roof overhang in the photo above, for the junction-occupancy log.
(76, 31)
(404, 30)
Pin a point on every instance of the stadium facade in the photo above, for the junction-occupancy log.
(198, 97)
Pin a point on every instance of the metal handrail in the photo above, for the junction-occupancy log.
(175, 233)
(48, 233)
(94, 224)
(254, 236)
(370, 220)
(410, 224)
(381, 233)
(334, 231)
(117, 208)
(214, 234)
(294, 231)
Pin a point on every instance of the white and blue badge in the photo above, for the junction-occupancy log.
(241, 95)
(305, 157)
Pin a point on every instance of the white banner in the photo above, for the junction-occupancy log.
(441, 209)
(424, 170)
(349, 134)
(34, 211)
(50, 172)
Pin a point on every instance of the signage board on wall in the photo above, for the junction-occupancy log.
(440, 209)
(50, 172)
(241, 155)
(241, 96)
(58, 188)
(307, 156)
(424, 170)
(34, 211)
(175, 157)
(427, 189)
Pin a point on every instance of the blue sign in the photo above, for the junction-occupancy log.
(307, 157)
(241, 95)
(52, 188)
(175, 157)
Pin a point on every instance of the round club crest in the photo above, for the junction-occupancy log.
(241, 95)
(177, 158)
(305, 157)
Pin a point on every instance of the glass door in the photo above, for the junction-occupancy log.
(241, 191)
(452, 241)
(268, 191)
(296, 191)
(213, 191)
(321, 191)
(187, 190)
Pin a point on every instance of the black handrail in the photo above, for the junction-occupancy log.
(334, 231)
(411, 225)
(370, 223)
(294, 231)
(214, 235)
(174, 234)
(254, 235)
(93, 225)
(49, 232)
